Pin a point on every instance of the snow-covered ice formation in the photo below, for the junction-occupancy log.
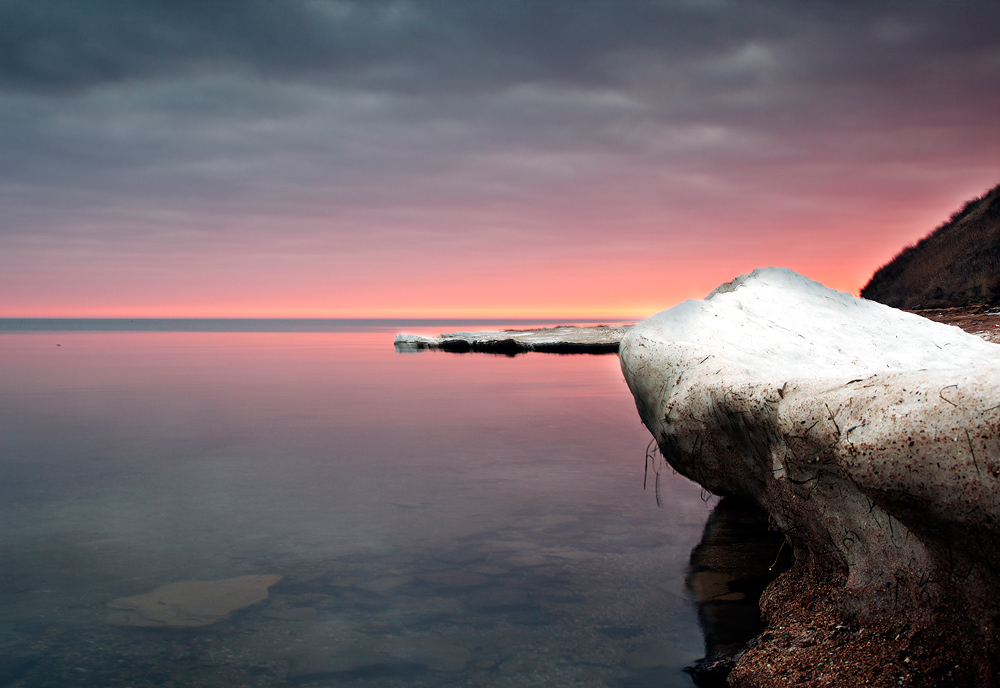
(871, 435)
(595, 339)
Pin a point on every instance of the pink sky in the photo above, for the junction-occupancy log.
(388, 159)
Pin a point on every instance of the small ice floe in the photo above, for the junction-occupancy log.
(565, 339)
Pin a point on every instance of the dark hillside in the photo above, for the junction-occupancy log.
(958, 264)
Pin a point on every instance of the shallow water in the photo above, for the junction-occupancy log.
(437, 519)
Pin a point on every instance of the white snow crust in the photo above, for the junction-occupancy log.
(787, 325)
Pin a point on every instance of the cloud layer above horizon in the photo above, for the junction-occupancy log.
(368, 157)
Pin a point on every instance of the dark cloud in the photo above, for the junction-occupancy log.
(72, 45)
(118, 112)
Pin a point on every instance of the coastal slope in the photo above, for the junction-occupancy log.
(958, 264)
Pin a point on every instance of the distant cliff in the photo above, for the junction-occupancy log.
(958, 264)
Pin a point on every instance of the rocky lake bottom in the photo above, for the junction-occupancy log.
(539, 603)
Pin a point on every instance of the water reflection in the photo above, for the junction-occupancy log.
(470, 520)
(738, 556)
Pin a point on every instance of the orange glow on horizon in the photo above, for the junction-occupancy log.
(582, 313)
(609, 309)
(619, 278)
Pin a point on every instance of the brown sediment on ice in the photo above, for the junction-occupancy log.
(565, 339)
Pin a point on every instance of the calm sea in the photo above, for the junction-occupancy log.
(436, 519)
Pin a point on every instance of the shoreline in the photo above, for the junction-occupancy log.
(985, 325)
(809, 642)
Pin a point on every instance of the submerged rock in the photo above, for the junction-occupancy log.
(190, 604)
(870, 435)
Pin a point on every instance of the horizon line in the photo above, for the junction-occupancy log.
(396, 318)
(270, 324)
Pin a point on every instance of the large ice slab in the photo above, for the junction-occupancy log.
(871, 435)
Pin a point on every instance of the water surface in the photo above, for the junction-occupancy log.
(437, 519)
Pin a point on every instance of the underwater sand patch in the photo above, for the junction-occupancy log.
(190, 604)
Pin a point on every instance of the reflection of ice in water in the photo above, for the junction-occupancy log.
(738, 556)
(435, 518)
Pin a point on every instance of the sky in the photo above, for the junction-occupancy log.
(389, 158)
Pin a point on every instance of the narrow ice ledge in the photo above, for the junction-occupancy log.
(565, 339)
